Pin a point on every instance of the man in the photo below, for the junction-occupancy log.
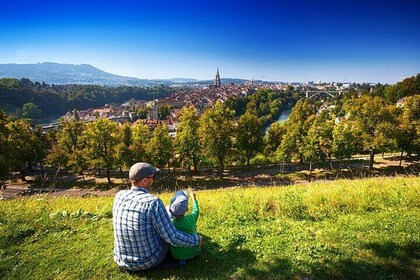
(142, 228)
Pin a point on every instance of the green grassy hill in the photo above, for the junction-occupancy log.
(358, 229)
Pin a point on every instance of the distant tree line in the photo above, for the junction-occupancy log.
(25, 99)
(367, 122)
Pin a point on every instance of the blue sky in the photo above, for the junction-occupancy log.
(348, 41)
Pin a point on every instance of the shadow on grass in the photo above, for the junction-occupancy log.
(215, 262)
(390, 261)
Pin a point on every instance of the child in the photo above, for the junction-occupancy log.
(186, 223)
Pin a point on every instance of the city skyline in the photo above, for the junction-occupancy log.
(299, 41)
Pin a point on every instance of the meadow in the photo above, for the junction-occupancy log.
(345, 229)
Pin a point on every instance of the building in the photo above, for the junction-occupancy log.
(217, 81)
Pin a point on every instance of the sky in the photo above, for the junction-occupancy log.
(286, 41)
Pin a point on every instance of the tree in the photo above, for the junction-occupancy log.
(164, 111)
(249, 135)
(69, 150)
(101, 139)
(187, 141)
(373, 116)
(216, 132)
(273, 138)
(140, 134)
(408, 130)
(160, 148)
(345, 140)
(318, 141)
(30, 111)
(26, 147)
(123, 154)
(4, 146)
(297, 129)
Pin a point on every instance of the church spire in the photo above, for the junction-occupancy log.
(217, 81)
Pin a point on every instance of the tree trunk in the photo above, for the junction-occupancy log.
(329, 159)
(83, 178)
(221, 167)
(401, 156)
(247, 162)
(195, 162)
(372, 158)
(22, 175)
(108, 176)
(61, 177)
(301, 159)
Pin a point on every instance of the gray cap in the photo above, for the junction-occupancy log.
(178, 205)
(141, 170)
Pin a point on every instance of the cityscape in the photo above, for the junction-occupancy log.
(210, 139)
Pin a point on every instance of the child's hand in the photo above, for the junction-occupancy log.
(192, 194)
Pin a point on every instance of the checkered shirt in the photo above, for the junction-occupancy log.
(141, 225)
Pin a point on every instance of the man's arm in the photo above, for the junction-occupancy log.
(168, 232)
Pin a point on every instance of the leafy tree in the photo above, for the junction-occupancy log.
(374, 116)
(30, 111)
(273, 138)
(408, 130)
(292, 145)
(69, 150)
(101, 137)
(140, 134)
(4, 146)
(164, 111)
(123, 153)
(408, 87)
(345, 140)
(187, 141)
(27, 147)
(318, 142)
(216, 132)
(160, 148)
(249, 135)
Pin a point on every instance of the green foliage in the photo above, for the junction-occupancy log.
(69, 149)
(216, 132)
(160, 147)
(140, 134)
(345, 140)
(101, 137)
(364, 229)
(376, 120)
(164, 111)
(187, 140)
(249, 135)
(408, 87)
(59, 99)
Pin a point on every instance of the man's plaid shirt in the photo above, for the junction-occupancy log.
(141, 225)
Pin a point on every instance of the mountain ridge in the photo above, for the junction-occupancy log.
(63, 73)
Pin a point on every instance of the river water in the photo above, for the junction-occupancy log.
(283, 117)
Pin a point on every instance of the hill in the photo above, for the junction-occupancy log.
(348, 229)
(56, 73)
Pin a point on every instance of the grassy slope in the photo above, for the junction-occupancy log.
(366, 229)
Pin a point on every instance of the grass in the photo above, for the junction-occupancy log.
(348, 229)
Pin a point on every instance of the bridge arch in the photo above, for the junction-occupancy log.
(332, 93)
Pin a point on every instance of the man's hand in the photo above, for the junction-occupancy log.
(201, 239)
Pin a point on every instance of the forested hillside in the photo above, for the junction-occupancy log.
(59, 99)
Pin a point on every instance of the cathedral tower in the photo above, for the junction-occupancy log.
(217, 82)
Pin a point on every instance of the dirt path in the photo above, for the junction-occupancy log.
(256, 175)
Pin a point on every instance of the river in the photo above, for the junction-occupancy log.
(284, 115)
